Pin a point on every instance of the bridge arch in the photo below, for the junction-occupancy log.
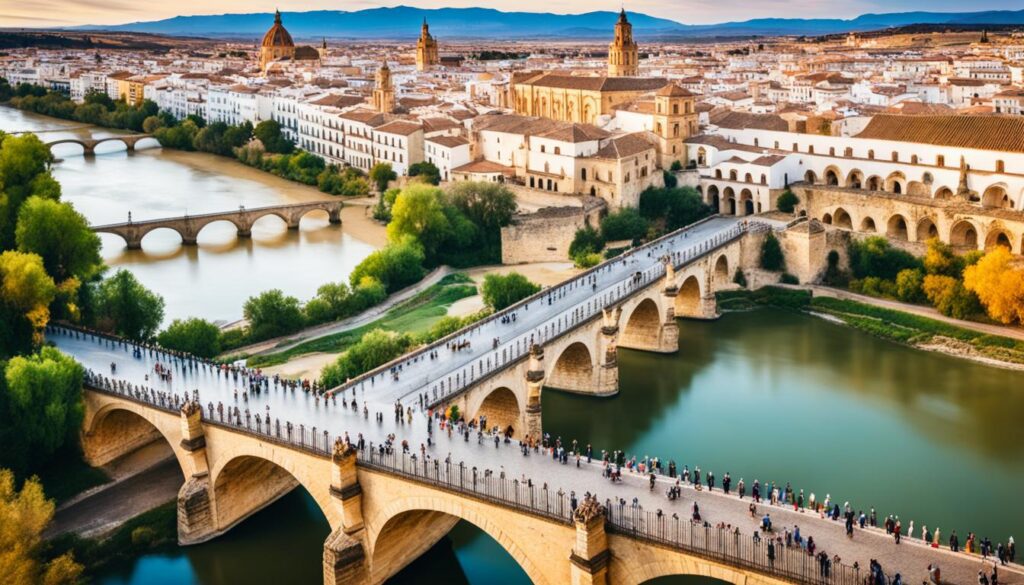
(662, 572)
(408, 526)
(116, 429)
(501, 407)
(688, 298)
(574, 369)
(249, 478)
(643, 327)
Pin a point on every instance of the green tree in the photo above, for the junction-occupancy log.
(500, 291)
(24, 515)
(181, 136)
(418, 212)
(624, 224)
(396, 266)
(272, 314)
(127, 308)
(60, 236)
(26, 292)
(586, 241)
(42, 407)
(269, 133)
(787, 201)
(426, 171)
(771, 254)
(381, 174)
(488, 205)
(677, 165)
(874, 256)
(152, 124)
(375, 348)
(24, 172)
(195, 336)
(332, 301)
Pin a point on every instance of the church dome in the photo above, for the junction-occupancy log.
(277, 36)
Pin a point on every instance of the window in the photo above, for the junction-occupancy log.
(831, 151)
(675, 108)
(913, 159)
(871, 154)
(558, 150)
(1000, 167)
(940, 161)
(895, 156)
(542, 148)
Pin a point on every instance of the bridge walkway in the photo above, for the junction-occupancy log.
(319, 416)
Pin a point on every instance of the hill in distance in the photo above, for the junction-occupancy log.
(403, 22)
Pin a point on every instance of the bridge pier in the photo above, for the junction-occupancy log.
(345, 487)
(607, 382)
(196, 521)
(534, 383)
(334, 215)
(345, 560)
(590, 553)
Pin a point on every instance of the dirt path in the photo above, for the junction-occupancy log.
(105, 509)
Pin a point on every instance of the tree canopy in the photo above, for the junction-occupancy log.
(196, 336)
(60, 236)
(41, 404)
(272, 314)
(998, 284)
(24, 515)
(26, 291)
(500, 291)
(127, 308)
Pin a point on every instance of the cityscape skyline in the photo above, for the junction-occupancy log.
(68, 13)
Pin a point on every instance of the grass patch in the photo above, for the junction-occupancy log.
(415, 316)
(881, 322)
(66, 475)
(155, 529)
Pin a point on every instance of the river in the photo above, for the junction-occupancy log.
(204, 280)
(766, 395)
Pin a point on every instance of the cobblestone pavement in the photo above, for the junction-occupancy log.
(910, 558)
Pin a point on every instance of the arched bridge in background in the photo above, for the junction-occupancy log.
(189, 226)
(89, 144)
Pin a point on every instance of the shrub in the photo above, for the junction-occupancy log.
(426, 171)
(670, 180)
(587, 260)
(909, 282)
(375, 348)
(396, 266)
(834, 276)
(500, 291)
(788, 278)
(950, 298)
(677, 165)
(740, 278)
(771, 254)
(874, 256)
(787, 201)
(586, 241)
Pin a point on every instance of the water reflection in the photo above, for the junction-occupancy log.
(779, 396)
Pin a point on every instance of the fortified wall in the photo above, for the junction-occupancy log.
(545, 235)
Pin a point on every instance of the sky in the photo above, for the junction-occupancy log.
(53, 13)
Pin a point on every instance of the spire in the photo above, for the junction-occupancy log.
(622, 16)
(277, 16)
(324, 43)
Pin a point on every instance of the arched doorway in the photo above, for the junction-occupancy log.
(963, 234)
(842, 219)
(868, 225)
(746, 202)
(832, 177)
(730, 201)
(573, 370)
(855, 179)
(998, 237)
(897, 228)
(997, 197)
(926, 229)
(810, 177)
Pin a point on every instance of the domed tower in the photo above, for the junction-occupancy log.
(277, 44)
(623, 56)
(384, 92)
(426, 49)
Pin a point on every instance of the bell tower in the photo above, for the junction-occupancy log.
(623, 56)
(426, 49)
(384, 92)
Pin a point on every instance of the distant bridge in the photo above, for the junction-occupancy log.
(189, 226)
(89, 144)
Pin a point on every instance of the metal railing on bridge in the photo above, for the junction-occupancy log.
(509, 352)
(680, 533)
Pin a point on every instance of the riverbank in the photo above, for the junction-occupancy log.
(961, 340)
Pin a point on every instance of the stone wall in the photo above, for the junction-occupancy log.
(545, 236)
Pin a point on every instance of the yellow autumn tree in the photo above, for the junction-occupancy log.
(998, 284)
(23, 516)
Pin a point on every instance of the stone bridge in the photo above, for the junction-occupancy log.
(385, 510)
(89, 144)
(189, 226)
